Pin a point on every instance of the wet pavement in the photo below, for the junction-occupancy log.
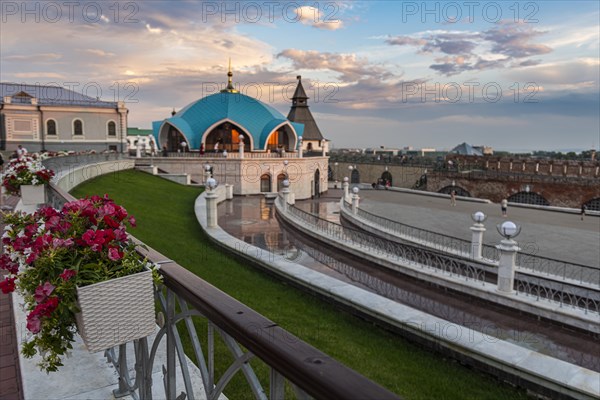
(252, 219)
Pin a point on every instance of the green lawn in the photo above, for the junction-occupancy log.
(166, 222)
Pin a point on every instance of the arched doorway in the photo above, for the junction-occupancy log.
(355, 176)
(280, 179)
(265, 183)
(528, 198)
(317, 178)
(459, 191)
(228, 136)
(174, 139)
(386, 177)
(281, 138)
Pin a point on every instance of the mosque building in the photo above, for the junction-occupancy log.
(246, 143)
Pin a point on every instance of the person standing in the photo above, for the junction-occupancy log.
(201, 148)
(504, 207)
(165, 152)
(583, 210)
(217, 146)
(21, 152)
(152, 148)
(453, 198)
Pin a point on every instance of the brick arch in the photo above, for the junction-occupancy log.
(529, 198)
(459, 191)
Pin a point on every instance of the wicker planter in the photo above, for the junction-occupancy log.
(33, 194)
(116, 311)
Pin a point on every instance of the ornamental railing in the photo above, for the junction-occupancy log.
(186, 302)
(232, 155)
(541, 289)
(525, 259)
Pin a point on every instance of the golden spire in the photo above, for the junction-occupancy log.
(229, 88)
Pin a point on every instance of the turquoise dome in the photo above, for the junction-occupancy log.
(255, 117)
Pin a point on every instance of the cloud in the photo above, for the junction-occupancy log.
(314, 17)
(350, 67)
(34, 58)
(99, 52)
(506, 42)
(514, 40)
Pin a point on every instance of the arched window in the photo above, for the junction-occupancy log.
(280, 179)
(355, 176)
(593, 204)
(77, 127)
(51, 127)
(112, 129)
(265, 183)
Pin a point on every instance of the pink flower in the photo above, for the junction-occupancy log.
(132, 221)
(34, 324)
(67, 274)
(43, 291)
(8, 285)
(114, 254)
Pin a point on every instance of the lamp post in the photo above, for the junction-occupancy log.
(355, 200)
(211, 203)
(207, 174)
(285, 194)
(508, 251)
(241, 146)
(345, 187)
(477, 238)
(335, 181)
(299, 146)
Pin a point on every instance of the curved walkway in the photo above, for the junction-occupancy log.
(547, 233)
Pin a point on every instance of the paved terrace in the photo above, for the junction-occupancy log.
(558, 235)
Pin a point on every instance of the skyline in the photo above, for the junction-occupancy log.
(515, 76)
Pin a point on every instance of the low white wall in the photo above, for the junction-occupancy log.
(67, 179)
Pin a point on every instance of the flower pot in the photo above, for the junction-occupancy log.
(33, 194)
(116, 311)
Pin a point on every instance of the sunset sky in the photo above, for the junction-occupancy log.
(511, 75)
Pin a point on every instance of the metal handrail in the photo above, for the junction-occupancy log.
(310, 371)
(526, 260)
(561, 293)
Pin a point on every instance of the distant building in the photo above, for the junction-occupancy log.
(312, 138)
(465, 149)
(245, 142)
(143, 136)
(53, 118)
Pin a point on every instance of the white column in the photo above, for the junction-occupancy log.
(345, 186)
(323, 152)
(211, 208)
(477, 241)
(355, 200)
(506, 266)
(299, 146)
(241, 146)
(228, 192)
(285, 194)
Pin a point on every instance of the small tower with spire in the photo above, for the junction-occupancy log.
(312, 138)
(229, 88)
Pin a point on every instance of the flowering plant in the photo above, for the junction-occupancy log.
(51, 252)
(25, 171)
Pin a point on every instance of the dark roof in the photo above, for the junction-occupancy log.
(301, 114)
(49, 96)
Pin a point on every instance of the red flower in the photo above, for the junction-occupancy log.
(8, 285)
(7, 264)
(67, 274)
